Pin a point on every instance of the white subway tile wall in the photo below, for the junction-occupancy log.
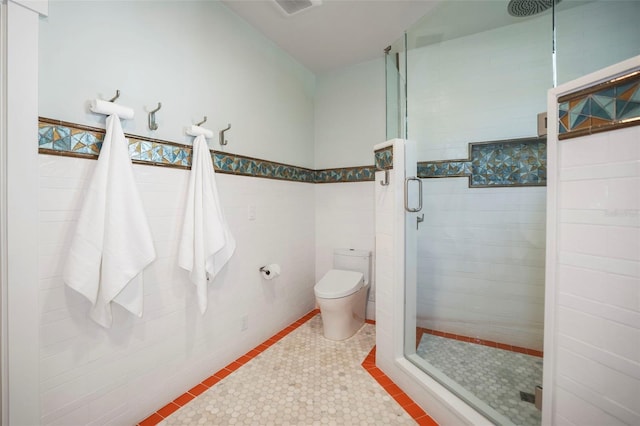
(90, 375)
(481, 262)
(598, 279)
(481, 251)
(385, 222)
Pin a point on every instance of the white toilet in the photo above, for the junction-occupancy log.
(342, 293)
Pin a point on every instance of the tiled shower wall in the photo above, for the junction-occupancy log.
(481, 262)
(482, 249)
(598, 279)
(593, 268)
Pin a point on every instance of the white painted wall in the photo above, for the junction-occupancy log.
(88, 373)
(349, 121)
(481, 251)
(197, 58)
(349, 115)
(592, 321)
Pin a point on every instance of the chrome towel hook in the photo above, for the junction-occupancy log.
(223, 141)
(202, 122)
(385, 182)
(116, 96)
(152, 118)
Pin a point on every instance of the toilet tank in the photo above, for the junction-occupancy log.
(353, 260)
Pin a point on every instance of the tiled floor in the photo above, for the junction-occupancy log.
(496, 376)
(298, 378)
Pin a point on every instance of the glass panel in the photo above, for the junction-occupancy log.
(594, 35)
(393, 97)
(476, 74)
(476, 77)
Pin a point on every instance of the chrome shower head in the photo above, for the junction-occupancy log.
(522, 8)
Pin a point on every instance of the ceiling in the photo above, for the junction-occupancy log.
(337, 33)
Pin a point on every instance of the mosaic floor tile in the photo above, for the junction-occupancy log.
(494, 375)
(303, 379)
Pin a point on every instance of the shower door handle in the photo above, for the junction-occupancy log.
(406, 194)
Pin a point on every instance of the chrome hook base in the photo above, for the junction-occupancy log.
(223, 141)
(153, 125)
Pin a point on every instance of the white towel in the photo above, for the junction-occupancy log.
(112, 244)
(206, 244)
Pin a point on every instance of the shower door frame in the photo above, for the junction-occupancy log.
(437, 400)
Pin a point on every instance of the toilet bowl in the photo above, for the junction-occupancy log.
(342, 294)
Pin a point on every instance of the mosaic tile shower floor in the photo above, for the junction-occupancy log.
(494, 375)
(303, 379)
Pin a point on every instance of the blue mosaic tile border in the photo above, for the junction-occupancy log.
(517, 162)
(346, 174)
(435, 169)
(606, 106)
(61, 138)
(384, 158)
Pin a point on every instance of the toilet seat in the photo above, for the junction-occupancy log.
(338, 283)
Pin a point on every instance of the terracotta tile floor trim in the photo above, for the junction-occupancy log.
(417, 413)
(420, 331)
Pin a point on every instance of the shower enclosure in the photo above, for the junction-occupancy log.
(468, 84)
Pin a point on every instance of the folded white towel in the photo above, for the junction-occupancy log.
(194, 130)
(206, 244)
(112, 243)
(109, 108)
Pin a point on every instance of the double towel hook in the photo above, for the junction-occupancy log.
(153, 125)
(223, 141)
(116, 96)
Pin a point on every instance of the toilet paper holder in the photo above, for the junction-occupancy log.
(265, 269)
(270, 271)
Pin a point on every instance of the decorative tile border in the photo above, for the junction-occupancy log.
(520, 162)
(57, 137)
(444, 168)
(420, 331)
(384, 158)
(606, 106)
(346, 174)
(516, 162)
(369, 364)
(247, 166)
